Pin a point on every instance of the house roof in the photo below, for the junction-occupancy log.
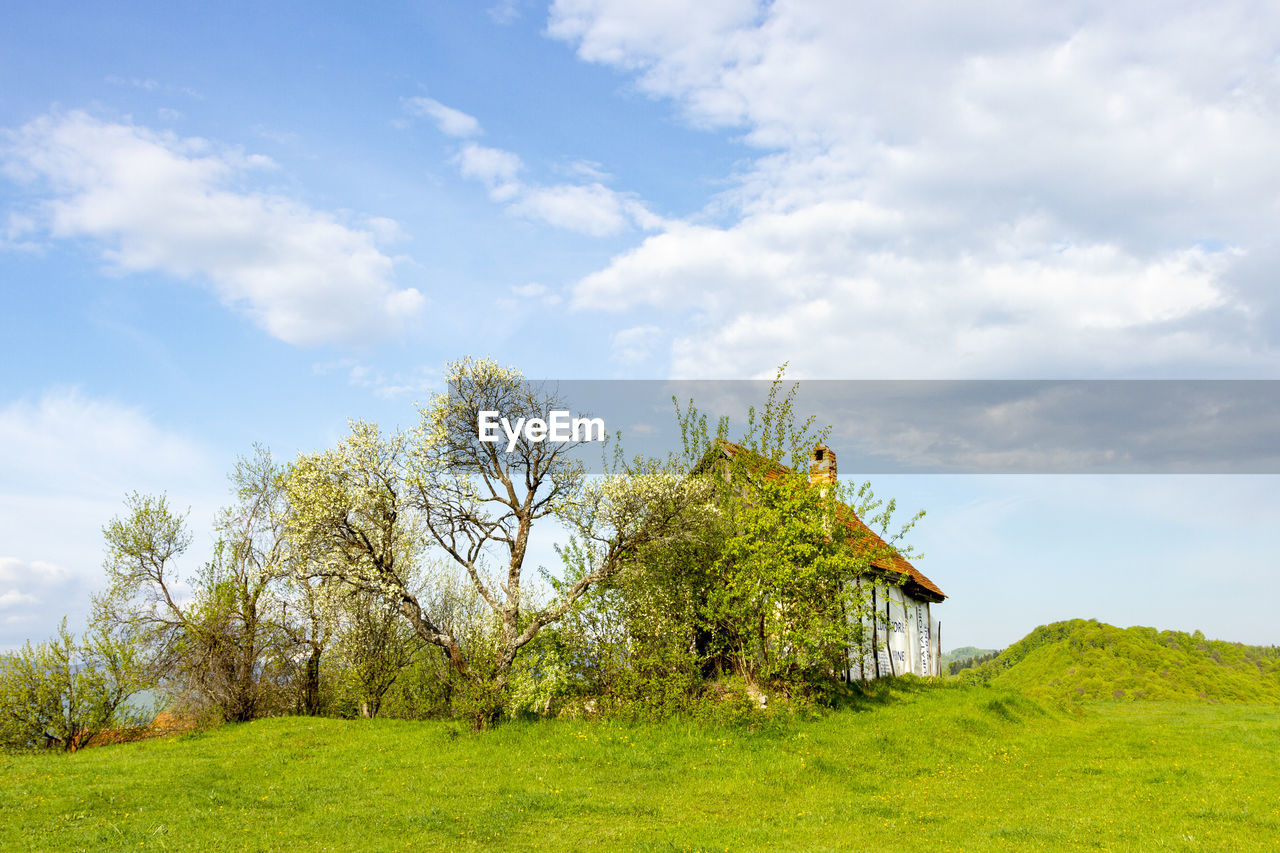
(917, 582)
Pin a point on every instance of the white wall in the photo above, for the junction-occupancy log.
(905, 637)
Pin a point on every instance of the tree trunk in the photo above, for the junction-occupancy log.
(311, 685)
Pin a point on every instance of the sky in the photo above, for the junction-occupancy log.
(231, 223)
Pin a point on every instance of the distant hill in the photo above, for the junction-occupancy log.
(965, 653)
(1087, 659)
(964, 657)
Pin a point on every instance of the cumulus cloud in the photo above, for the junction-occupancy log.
(450, 121)
(588, 209)
(977, 189)
(155, 202)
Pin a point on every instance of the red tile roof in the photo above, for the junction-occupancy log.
(895, 563)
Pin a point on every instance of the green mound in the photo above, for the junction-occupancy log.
(1086, 659)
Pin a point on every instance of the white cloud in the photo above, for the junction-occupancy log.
(13, 598)
(388, 386)
(24, 585)
(451, 122)
(973, 189)
(589, 169)
(534, 290)
(69, 444)
(504, 12)
(34, 595)
(493, 167)
(68, 462)
(634, 345)
(592, 208)
(157, 202)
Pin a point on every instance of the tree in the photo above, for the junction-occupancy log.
(349, 516)
(223, 643)
(367, 506)
(771, 586)
(480, 501)
(787, 599)
(64, 693)
(307, 618)
(375, 645)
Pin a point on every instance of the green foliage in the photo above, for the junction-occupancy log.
(222, 649)
(64, 692)
(912, 766)
(761, 588)
(781, 602)
(331, 575)
(776, 577)
(773, 433)
(375, 645)
(1086, 659)
(424, 690)
(633, 641)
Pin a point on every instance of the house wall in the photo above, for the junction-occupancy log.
(903, 638)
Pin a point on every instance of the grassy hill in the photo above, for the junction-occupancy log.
(1085, 659)
(928, 767)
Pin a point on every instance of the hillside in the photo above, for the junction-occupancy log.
(1087, 659)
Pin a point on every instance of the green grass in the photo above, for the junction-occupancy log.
(928, 769)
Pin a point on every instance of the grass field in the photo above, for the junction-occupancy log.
(939, 768)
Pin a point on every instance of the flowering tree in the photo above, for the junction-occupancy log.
(481, 499)
(307, 618)
(375, 645)
(369, 507)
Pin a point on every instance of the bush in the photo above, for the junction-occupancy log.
(63, 693)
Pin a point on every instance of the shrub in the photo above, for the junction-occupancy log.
(62, 693)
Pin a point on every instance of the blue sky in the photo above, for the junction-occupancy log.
(229, 223)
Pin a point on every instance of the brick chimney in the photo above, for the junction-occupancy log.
(822, 466)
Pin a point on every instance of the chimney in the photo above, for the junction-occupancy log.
(822, 467)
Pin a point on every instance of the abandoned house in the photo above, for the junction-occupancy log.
(903, 637)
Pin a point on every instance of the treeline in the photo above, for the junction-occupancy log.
(958, 666)
(388, 576)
